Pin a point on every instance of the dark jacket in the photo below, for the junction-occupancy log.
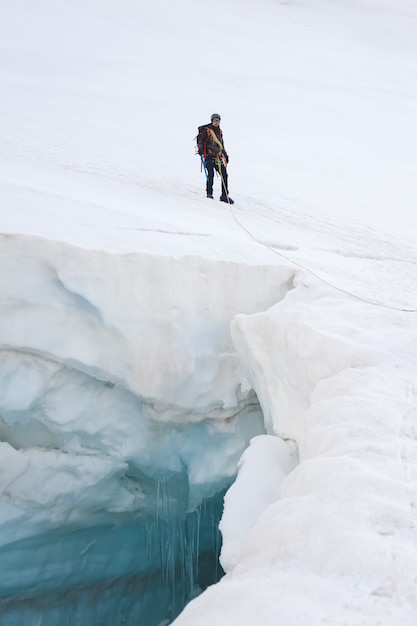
(210, 141)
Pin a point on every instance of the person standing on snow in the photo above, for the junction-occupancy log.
(211, 148)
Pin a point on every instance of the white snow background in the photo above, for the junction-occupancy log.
(114, 263)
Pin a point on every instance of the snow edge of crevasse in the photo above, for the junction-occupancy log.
(341, 526)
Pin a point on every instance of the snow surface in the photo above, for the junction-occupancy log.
(136, 316)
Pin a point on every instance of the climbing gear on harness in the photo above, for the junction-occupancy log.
(203, 166)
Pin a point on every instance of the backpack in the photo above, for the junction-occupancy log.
(199, 139)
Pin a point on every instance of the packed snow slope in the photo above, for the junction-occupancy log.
(138, 319)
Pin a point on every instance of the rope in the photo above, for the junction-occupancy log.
(214, 138)
(304, 267)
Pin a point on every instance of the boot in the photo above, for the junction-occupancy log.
(224, 198)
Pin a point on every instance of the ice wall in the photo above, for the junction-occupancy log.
(123, 413)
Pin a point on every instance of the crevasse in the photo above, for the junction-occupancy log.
(124, 411)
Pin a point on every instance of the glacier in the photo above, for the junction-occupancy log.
(124, 411)
(207, 406)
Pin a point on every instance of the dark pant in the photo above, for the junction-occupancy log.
(211, 166)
